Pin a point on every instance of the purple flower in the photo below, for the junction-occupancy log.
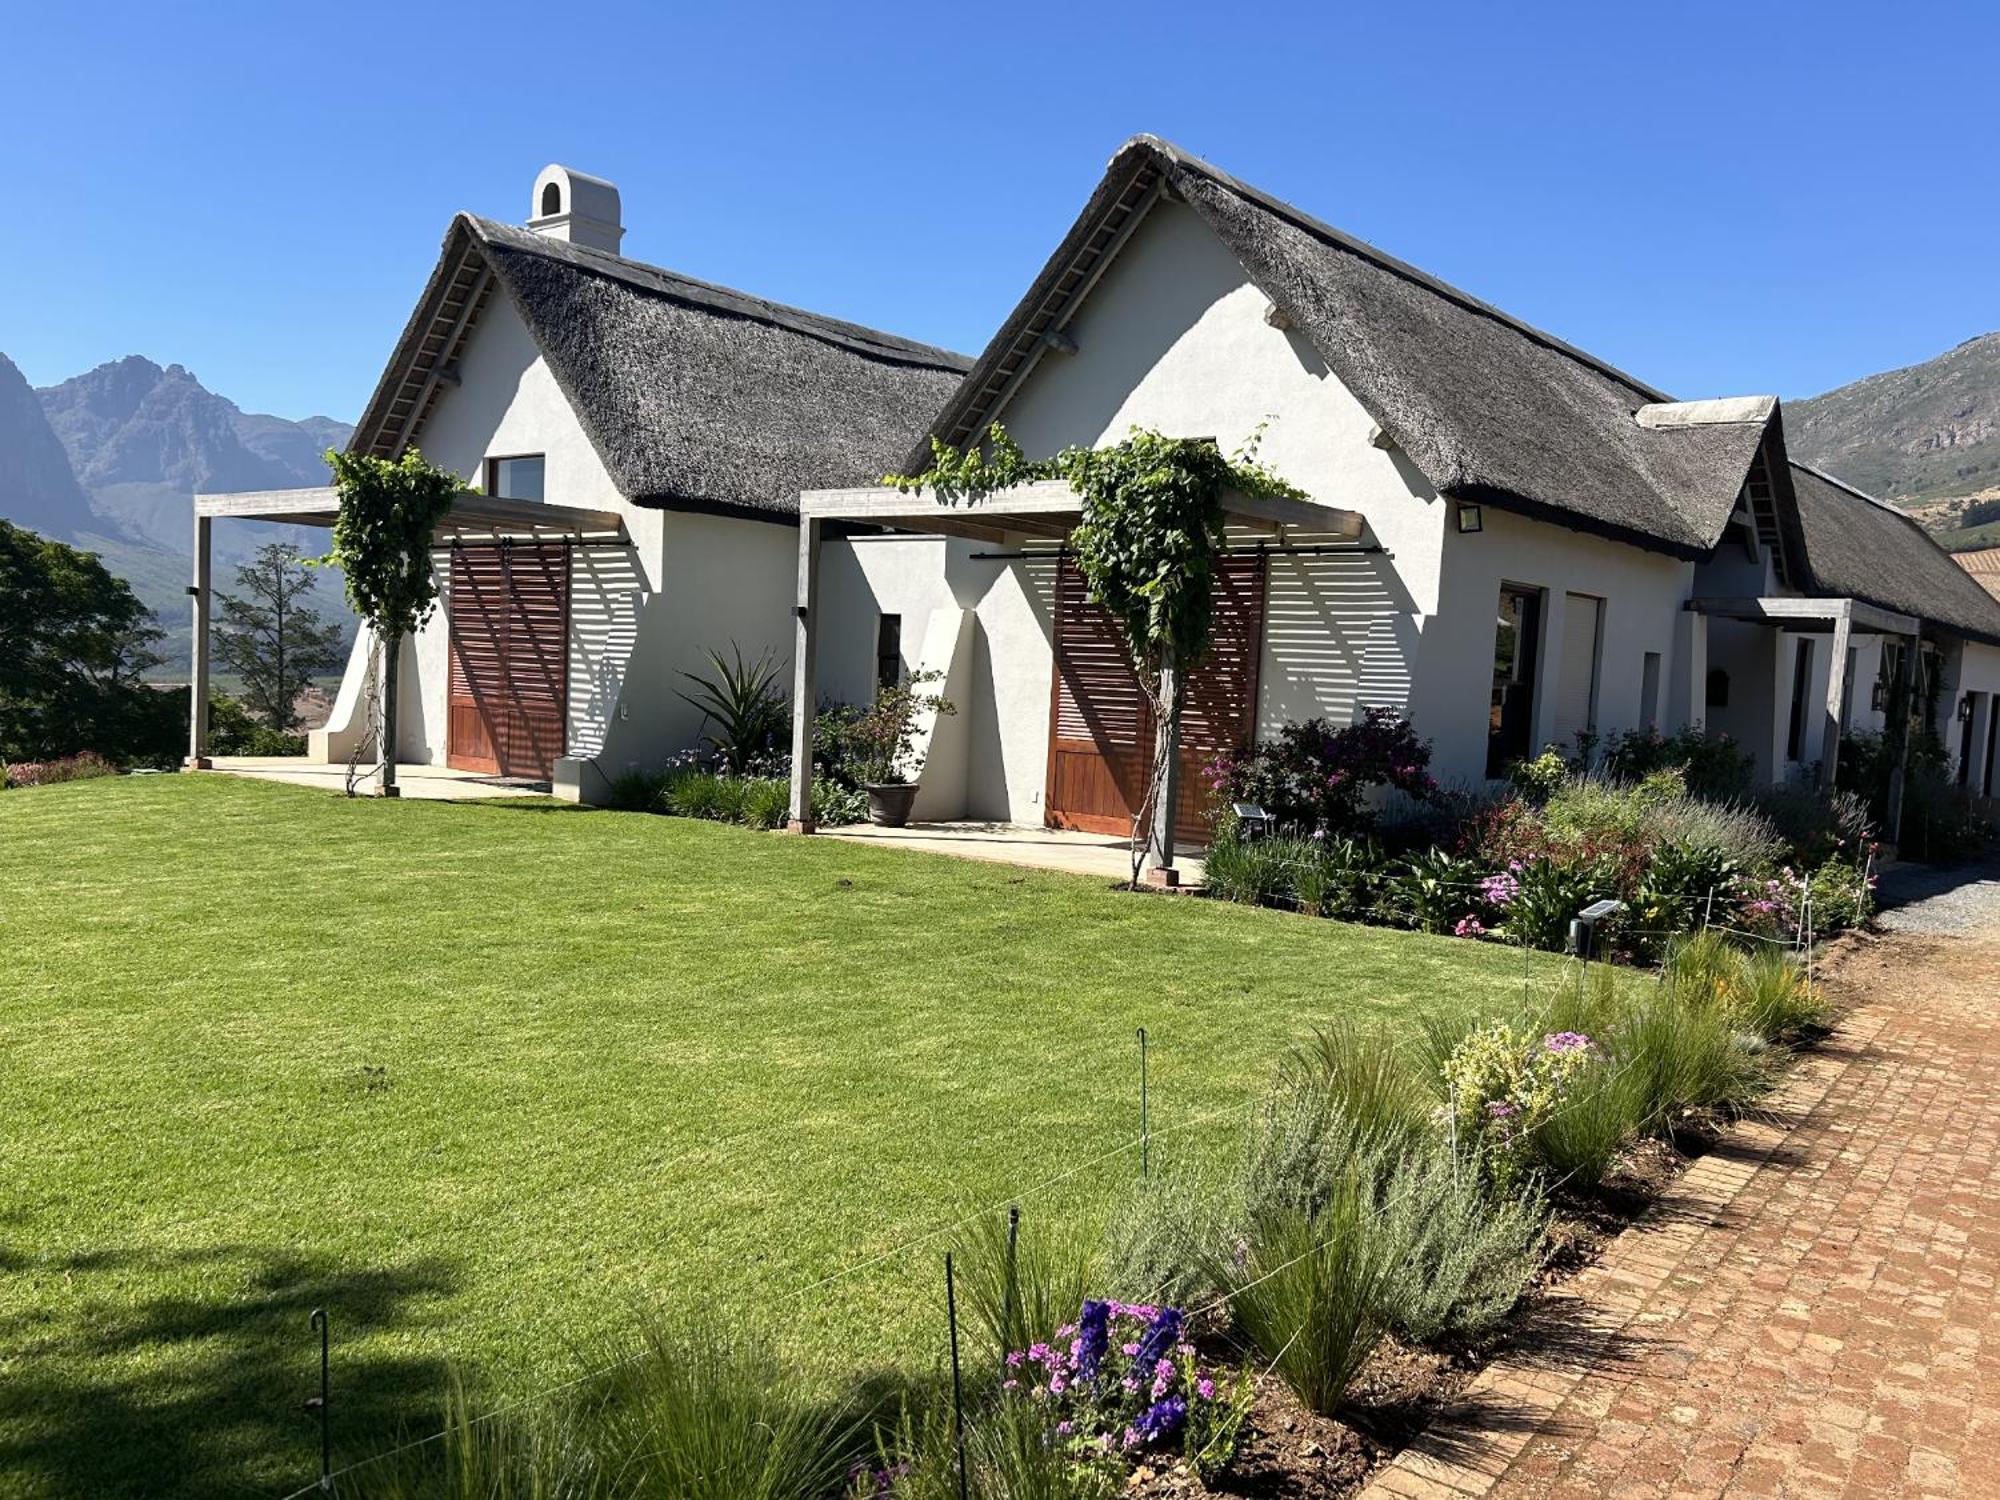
(1501, 1109)
(1161, 1419)
(1563, 1043)
(1205, 1388)
(1164, 1333)
(1093, 1338)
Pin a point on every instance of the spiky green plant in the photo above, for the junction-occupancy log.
(744, 714)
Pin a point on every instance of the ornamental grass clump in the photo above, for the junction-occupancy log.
(1772, 996)
(1018, 1300)
(1306, 1289)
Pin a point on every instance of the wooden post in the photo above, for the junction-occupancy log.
(805, 675)
(1903, 694)
(1836, 694)
(199, 594)
(392, 651)
(1160, 850)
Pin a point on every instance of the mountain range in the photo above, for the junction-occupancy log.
(1926, 437)
(110, 460)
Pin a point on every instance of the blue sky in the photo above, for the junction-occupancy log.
(1721, 199)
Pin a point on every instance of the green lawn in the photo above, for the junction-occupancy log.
(482, 1078)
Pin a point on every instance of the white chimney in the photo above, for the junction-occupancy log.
(576, 207)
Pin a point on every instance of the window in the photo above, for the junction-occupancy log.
(1516, 643)
(1716, 691)
(1992, 734)
(1649, 691)
(1966, 730)
(551, 199)
(515, 478)
(1847, 691)
(1576, 680)
(1795, 726)
(888, 650)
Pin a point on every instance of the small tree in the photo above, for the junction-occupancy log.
(273, 638)
(389, 509)
(1152, 523)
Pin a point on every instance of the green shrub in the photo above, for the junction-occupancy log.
(1602, 1108)
(1257, 872)
(634, 791)
(1713, 766)
(1683, 1050)
(1460, 1254)
(1306, 1290)
(1547, 893)
(767, 802)
(835, 805)
(1673, 892)
(1434, 892)
(1842, 895)
(1166, 1232)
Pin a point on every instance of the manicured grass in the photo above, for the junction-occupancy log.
(481, 1078)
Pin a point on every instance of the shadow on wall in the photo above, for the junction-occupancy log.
(606, 590)
(1007, 739)
(1340, 635)
(196, 1395)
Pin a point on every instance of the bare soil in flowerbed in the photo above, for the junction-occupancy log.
(1289, 1452)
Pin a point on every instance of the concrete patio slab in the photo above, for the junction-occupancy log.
(1096, 854)
(427, 783)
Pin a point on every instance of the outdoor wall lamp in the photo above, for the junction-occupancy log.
(1878, 696)
(1469, 520)
(1965, 709)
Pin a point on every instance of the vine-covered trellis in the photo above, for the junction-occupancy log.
(389, 509)
(1152, 523)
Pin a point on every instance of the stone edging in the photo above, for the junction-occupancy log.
(1607, 1297)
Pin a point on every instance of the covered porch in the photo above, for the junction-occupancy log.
(1841, 620)
(474, 519)
(1036, 520)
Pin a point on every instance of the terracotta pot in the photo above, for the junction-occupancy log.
(889, 802)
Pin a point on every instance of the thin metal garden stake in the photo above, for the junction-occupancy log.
(318, 1404)
(957, 1391)
(1145, 1130)
(1007, 1304)
(1709, 915)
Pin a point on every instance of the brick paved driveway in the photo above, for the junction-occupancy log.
(1812, 1311)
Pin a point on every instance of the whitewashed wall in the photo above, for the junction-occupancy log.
(1174, 336)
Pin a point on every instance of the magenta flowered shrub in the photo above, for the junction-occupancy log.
(82, 767)
(1317, 776)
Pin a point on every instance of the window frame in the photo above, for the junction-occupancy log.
(492, 466)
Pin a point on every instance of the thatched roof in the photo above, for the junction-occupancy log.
(694, 396)
(1861, 547)
(1487, 407)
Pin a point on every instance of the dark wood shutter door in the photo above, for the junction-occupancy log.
(509, 618)
(1101, 729)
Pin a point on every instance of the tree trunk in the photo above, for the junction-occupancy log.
(392, 650)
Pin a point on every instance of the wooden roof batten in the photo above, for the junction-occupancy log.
(471, 513)
(1048, 508)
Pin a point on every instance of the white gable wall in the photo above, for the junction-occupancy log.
(1174, 336)
(507, 403)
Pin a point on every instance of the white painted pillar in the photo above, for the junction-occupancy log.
(198, 663)
(1836, 694)
(805, 674)
(1696, 702)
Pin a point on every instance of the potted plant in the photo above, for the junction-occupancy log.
(881, 750)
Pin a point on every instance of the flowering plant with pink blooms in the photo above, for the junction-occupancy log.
(1124, 1378)
(1317, 776)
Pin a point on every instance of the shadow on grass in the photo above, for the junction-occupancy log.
(204, 1395)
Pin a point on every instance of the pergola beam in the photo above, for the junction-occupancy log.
(1809, 614)
(1051, 508)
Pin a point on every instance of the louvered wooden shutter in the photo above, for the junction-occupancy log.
(509, 616)
(1101, 727)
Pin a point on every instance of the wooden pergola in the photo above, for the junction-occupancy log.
(473, 519)
(1046, 512)
(1842, 617)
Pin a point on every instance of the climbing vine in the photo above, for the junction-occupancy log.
(1152, 523)
(382, 539)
